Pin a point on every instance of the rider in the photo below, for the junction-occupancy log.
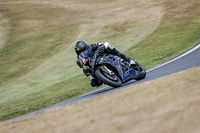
(103, 47)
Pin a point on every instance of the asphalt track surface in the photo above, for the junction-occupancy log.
(188, 59)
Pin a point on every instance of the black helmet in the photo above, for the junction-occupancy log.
(80, 46)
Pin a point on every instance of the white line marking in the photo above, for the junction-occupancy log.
(178, 57)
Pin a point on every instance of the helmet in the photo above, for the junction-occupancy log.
(80, 46)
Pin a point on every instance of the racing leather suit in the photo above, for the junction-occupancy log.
(103, 48)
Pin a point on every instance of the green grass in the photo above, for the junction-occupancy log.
(37, 60)
(54, 94)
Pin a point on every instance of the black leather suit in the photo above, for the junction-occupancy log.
(102, 48)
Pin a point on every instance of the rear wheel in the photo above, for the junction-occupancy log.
(141, 72)
(108, 77)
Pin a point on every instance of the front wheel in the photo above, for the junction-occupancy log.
(109, 79)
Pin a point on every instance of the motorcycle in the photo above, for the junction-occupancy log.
(109, 69)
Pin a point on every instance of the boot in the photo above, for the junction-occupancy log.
(95, 82)
(124, 57)
(132, 62)
(127, 59)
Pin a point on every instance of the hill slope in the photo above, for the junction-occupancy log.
(37, 61)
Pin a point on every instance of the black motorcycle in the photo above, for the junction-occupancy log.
(110, 69)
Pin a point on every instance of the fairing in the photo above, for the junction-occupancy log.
(95, 61)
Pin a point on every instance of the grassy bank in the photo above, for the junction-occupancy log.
(168, 104)
(37, 60)
(178, 31)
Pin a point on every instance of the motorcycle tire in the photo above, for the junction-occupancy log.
(141, 72)
(104, 79)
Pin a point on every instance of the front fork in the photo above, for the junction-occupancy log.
(106, 70)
